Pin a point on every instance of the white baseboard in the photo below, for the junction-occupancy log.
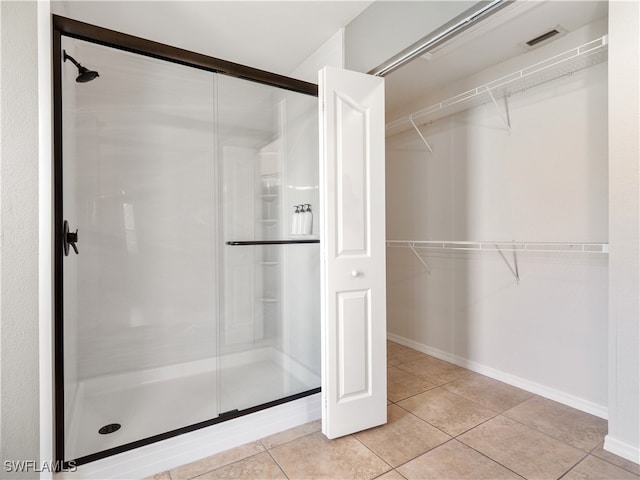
(533, 387)
(190, 447)
(622, 449)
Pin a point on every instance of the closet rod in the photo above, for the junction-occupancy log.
(448, 31)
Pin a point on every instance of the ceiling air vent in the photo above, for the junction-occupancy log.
(546, 37)
(543, 37)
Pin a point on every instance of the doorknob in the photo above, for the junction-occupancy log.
(69, 239)
(355, 273)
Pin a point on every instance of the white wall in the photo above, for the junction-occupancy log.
(624, 230)
(545, 181)
(19, 397)
(330, 53)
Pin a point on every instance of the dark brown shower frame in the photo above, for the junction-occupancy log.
(83, 31)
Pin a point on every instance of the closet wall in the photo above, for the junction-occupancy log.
(545, 180)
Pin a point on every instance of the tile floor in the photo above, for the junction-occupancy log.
(444, 422)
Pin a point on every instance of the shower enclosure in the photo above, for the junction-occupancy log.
(184, 299)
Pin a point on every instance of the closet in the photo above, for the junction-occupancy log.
(497, 201)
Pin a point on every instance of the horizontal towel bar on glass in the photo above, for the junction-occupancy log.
(271, 242)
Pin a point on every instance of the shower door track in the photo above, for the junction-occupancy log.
(63, 26)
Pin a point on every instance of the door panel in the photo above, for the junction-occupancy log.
(354, 322)
(353, 251)
(351, 174)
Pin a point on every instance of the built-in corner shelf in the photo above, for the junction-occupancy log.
(268, 300)
(500, 247)
(269, 197)
(576, 59)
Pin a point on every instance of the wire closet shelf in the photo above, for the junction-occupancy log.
(574, 60)
(560, 247)
(500, 247)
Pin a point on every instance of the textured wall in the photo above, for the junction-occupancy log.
(624, 230)
(19, 401)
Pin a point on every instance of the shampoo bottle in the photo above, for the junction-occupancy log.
(295, 221)
(307, 220)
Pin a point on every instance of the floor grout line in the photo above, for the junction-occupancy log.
(226, 464)
(543, 433)
(611, 463)
(427, 451)
(492, 459)
(278, 464)
(427, 422)
(372, 451)
(573, 466)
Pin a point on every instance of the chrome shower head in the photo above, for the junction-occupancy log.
(84, 74)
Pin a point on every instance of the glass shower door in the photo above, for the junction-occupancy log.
(269, 331)
(140, 301)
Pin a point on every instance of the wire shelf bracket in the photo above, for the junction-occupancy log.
(420, 134)
(503, 116)
(425, 264)
(514, 269)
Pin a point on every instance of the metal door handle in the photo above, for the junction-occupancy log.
(69, 239)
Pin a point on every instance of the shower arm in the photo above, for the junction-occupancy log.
(66, 57)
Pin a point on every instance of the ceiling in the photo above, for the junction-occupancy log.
(495, 40)
(276, 36)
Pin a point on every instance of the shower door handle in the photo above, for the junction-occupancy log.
(69, 239)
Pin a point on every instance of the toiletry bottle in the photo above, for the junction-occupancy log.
(300, 225)
(295, 221)
(303, 217)
(307, 220)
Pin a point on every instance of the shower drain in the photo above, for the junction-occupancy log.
(112, 427)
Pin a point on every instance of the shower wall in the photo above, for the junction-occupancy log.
(267, 151)
(144, 135)
(303, 261)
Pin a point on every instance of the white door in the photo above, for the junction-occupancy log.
(352, 225)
